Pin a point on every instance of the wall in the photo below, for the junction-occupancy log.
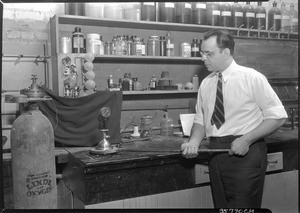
(26, 32)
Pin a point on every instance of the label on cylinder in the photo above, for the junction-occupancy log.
(38, 184)
(277, 16)
(200, 6)
(238, 14)
(250, 15)
(260, 15)
(216, 12)
(226, 13)
(149, 3)
(188, 5)
(169, 5)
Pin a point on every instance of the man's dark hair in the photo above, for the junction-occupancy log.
(224, 39)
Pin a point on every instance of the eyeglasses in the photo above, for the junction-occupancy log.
(206, 54)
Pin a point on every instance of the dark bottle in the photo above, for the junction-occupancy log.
(195, 48)
(237, 15)
(226, 17)
(213, 13)
(274, 18)
(76, 9)
(166, 12)
(125, 82)
(260, 17)
(183, 11)
(148, 11)
(162, 46)
(199, 13)
(77, 41)
(249, 15)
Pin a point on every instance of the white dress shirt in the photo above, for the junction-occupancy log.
(248, 100)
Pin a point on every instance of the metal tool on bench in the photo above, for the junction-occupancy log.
(104, 146)
(173, 150)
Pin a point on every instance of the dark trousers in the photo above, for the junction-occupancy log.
(237, 181)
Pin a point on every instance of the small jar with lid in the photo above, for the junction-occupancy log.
(153, 46)
(93, 43)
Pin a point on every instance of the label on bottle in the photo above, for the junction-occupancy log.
(277, 16)
(260, 15)
(250, 15)
(216, 12)
(139, 49)
(285, 17)
(226, 13)
(188, 5)
(238, 14)
(78, 42)
(149, 3)
(143, 50)
(195, 49)
(169, 5)
(295, 20)
(170, 46)
(200, 6)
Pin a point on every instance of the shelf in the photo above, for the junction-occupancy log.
(159, 92)
(138, 59)
(166, 26)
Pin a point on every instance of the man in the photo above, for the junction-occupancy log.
(236, 108)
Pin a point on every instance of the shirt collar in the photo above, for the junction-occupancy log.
(227, 72)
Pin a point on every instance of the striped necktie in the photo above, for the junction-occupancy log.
(218, 116)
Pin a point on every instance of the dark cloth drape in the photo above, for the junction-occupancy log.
(77, 121)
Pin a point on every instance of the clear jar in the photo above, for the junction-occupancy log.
(76, 9)
(94, 10)
(113, 10)
(132, 11)
(148, 11)
(93, 43)
(153, 46)
(146, 124)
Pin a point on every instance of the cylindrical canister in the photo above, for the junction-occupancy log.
(185, 49)
(132, 11)
(260, 17)
(166, 12)
(183, 11)
(226, 17)
(33, 162)
(113, 11)
(93, 43)
(148, 11)
(94, 10)
(213, 13)
(237, 15)
(199, 13)
(76, 9)
(249, 15)
(65, 45)
(153, 46)
(274, 18)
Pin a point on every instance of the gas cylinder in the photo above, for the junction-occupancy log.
(226, 17)
(249, 15)
(293, 18)
(213, 13)
(285, 18)
(260, 17)
(33, 158)
(237, 15)
(274, 18)
(199, 13)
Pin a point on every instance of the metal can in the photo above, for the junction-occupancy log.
(153, 46)
(65, 45)
(185, 49)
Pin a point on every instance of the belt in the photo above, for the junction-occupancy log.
(224, 139)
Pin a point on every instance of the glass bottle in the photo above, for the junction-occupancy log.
(260, 17)
(199, 13)
(148, 11)
(237, 15)
(132, 11)
(77, 41)
(143, 47)
(183, 11)
(153, 46)
(76, 9)
(153, 83)
(166, 12)
(162, 46)
(110, 81)
(166, 125)
(136, 84)
(169, 45)
(293, 18)
(125, 82)
(274, 18)
(195, 48)
(226, 17)
(249, 15)
(213, 13)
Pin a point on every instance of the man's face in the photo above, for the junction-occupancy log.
(212, 55)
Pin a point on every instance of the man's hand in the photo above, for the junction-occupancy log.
(239, 146)
(189, 150)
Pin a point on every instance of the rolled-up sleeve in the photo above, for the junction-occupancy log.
(267, 99)
(199, 117)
